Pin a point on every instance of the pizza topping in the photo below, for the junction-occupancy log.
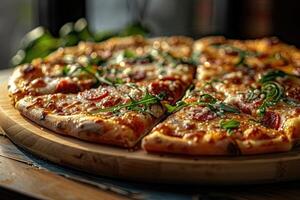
(111, 101)
(272, 75)
(143, 105)
(232, 50)
(67, 86)
(131, 57)
(252, 95)
(176, 107)
(95, 95)
(205, 100)
(172, 89)
(28, 69)
(138, 75)
(95, 72)
(271, 120)
(38, 83)
(273, 92)
(202, 114)
(229, 125)
(221, 108)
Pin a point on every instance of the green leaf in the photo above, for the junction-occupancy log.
(216, 106)
(291, 101)
(229, 125)
(227, 108)
(179, 105)
(142, 105)
(272, 75)
(65, 70)
(252, 94)
(273, 92)
(128, 54)
(207, 98)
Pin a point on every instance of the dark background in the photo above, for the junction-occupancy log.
(196, 18)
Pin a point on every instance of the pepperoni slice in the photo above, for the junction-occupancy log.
(271, 120)
(93, 95)
(66, 86)
(173, 90)
(111, 101)
(169, 78)
(202, 114)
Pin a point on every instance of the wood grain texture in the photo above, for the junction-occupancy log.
(138, 165)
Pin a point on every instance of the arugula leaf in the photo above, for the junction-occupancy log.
(96, 73)
(291, 101)
(129, 54)
(252, 94)
(65, 70)
(179, 105)
(97, 61)
(272, 75)
(227, 108)
(142, 105)
(273, 92)
(216, 106)
(229, 125)
(207, 98)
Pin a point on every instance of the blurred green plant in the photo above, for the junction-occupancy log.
(39, 42)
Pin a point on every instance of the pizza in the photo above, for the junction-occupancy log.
(107, 93)
(212, 96)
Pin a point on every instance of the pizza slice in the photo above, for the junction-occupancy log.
(118, 115)
(122, 112)
(265, 85)
(204, 125)
(116, 61)
(220, 55)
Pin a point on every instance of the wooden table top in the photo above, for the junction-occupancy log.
(21, 176)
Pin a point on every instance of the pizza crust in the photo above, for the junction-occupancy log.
(89, 128)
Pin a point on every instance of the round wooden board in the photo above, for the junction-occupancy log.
(138, 165)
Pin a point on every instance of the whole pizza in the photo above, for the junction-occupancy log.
(212, 96)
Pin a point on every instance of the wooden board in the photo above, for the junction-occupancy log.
(138, 165)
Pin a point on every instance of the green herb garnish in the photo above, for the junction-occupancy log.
(216, 106)
(129, 54)
(291, 101)
(65, 70)
(272, 75)
(243, 54)
(229, 125)
(179, 105)
(253, 94)
(97, 61)
(273, 92)
(207, 98)
(142, 105)
(95, 72)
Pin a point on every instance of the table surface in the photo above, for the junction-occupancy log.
(25, 176)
